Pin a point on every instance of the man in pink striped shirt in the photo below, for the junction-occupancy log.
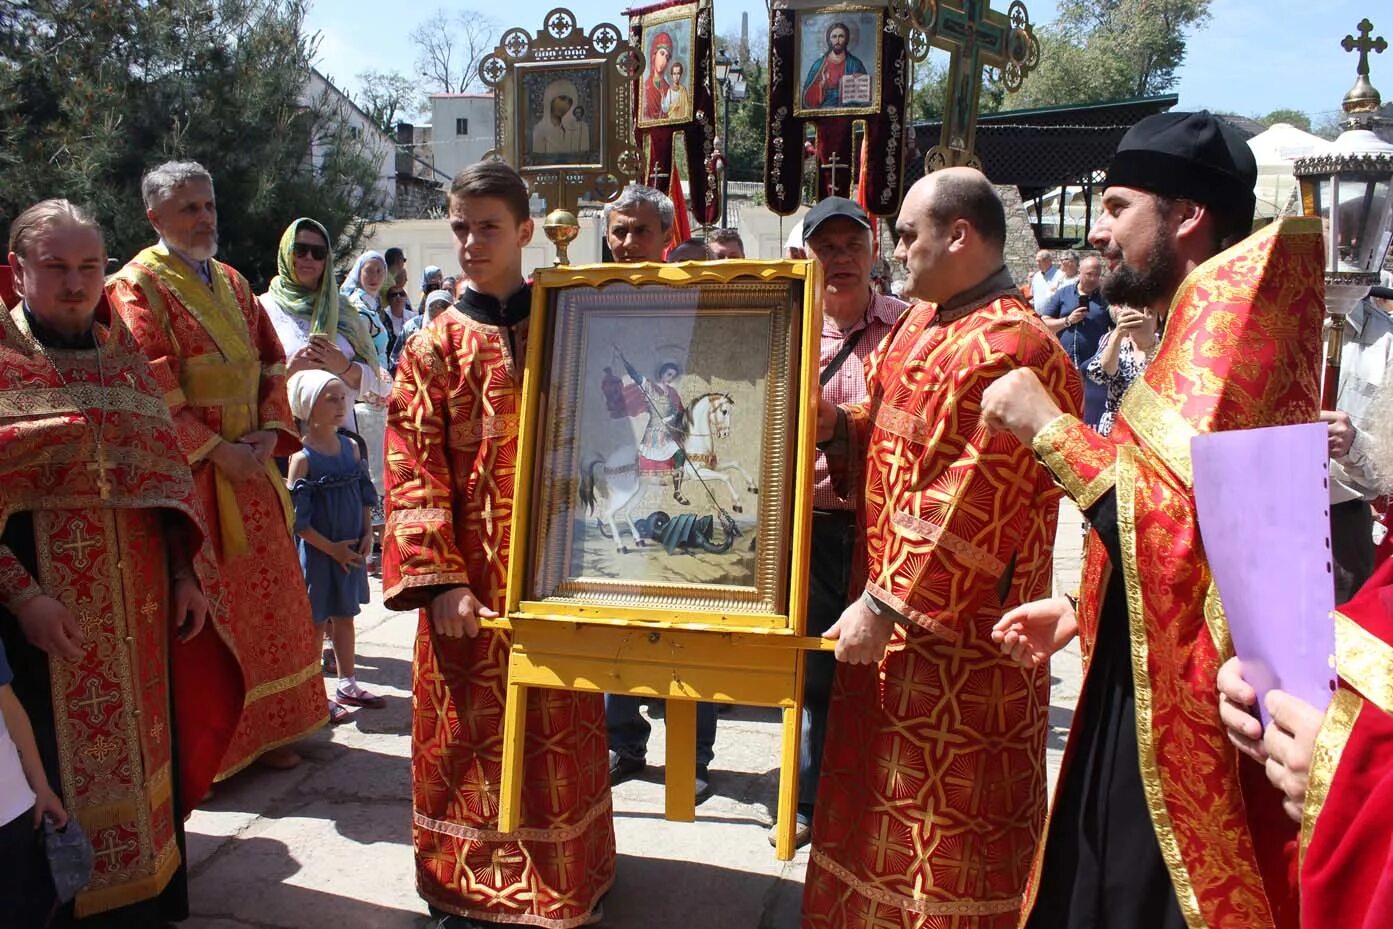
(855, 318)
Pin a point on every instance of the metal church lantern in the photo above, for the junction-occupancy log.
(1349, 187)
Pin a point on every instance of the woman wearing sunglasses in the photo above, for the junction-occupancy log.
(395, 315)
(318, 327)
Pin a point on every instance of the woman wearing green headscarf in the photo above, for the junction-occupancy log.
(318, 327)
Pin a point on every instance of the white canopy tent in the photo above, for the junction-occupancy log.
(1275, 150)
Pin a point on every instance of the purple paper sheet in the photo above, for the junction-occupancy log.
(1263, 501)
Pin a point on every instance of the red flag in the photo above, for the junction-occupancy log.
(863, 196)
(681, 227)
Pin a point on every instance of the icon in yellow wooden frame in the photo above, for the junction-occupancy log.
(717, 611)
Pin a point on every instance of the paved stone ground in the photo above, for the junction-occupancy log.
(328, 844)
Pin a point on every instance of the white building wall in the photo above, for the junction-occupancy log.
(451, 149)
(320, 93)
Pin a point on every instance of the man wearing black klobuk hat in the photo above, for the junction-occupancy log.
(1157, 823)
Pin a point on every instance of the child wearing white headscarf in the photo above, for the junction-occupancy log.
(333, 497)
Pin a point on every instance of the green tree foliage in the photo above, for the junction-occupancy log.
(94, 94)
(388, 97)
(1100, 50)
(748, 116)
(929, 89)
(1291, 117)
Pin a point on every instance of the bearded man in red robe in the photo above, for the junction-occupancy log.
(221, 365)
(1156, 825)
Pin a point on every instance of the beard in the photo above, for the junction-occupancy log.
(1155, 280)
(199, 252)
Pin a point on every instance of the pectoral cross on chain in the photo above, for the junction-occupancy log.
(102, 467)
(832, 167)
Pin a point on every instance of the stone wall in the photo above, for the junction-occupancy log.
(1021, 244)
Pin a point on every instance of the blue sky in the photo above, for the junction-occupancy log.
(1255, 56)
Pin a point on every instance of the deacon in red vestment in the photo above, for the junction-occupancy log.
(1155, 823)
(220, 363)
(932, 794)
(451, 452)
(103, 557)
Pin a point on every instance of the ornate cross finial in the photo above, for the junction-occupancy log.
(1362, 97)
(1364, 44)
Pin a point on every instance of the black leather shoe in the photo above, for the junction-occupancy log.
(703, 783)
(622, 767)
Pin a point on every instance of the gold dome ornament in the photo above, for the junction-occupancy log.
(561, 227)
(1363, 97)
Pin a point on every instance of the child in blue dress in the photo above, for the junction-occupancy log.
(334, 497)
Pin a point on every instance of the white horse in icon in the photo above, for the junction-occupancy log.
(609, 483)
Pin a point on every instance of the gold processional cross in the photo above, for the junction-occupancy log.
(975, 37)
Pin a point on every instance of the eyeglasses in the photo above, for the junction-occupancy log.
(305, 249)
(394, 294)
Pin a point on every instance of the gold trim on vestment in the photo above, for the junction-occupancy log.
(1340, 718)
(485, 427)
(204, 450)
(426, 516)
(448, 579)
(1045, 445)
(1159, 425)
(229, 381)
(206, 302)
(101, 899)
(974, 556)
(1141, 677)
(451, 905)
(211, 381)
(158, 789)
(1365, 662)
(1218, 623)
(78, 398)
(917, 905)
(899, 423)
(270, 747)
(918, 617)
(263, 690)
(523, 834)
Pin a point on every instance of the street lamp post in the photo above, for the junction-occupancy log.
(729, 76)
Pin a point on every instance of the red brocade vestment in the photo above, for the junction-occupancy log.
(221, 367)
(104, 521)
(932, 793)
(1347, 842)
(451, 453)
(1240, 351)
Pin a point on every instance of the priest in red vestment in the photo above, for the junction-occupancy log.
(451, 452)
(1155, 823)
(105, 578)
(222, 369)
(932, 793)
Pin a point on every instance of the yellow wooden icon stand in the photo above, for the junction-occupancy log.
(682, 656)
